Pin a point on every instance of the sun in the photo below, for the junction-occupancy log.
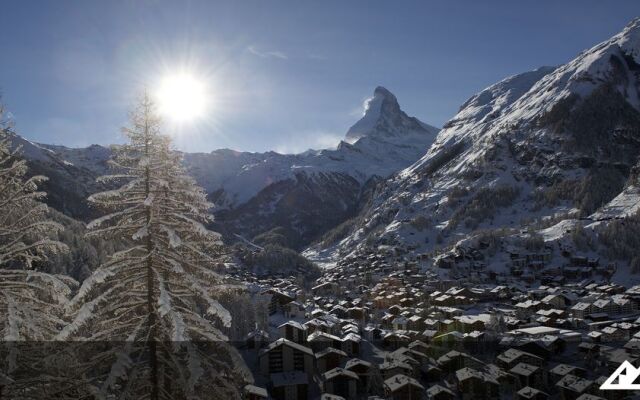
(182, 97)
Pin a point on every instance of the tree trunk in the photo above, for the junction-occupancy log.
(153, 356)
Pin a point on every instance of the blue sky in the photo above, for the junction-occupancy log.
(283, 75)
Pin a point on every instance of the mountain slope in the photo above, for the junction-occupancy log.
(549, 141)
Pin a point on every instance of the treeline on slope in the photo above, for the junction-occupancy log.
(483, 205)
(599, 186)
(66, 189)
(605, 128)
(602, 124)
(339, 232)
(621, 240)
(276, 257)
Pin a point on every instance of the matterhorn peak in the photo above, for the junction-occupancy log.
(385, 94)
(383, 117)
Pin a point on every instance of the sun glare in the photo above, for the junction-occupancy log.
(182, 97)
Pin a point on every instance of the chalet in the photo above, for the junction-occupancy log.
(582, 309)
(326, 289)
(419, 346)
(561, 370)
(437, 392)
(399, 323)
(512, 357)
(613, 334)
(321, 325)
(252, 392)
(283, 356)
(455, 360)
(528, 375)
(529, 393)
(350, 329)
(358, 314)
(256, 339)
(339, 311)
(319, 341)
(447, 325)
(623, 305)
(340, 382)
(351, 344)
(316, 313)
(588, 396)
(571, 387)
(416, 323)
(394, 340)
(329, 358)
(387, 320)
(394, 367)
(589, 348)
(372, 333)
(470, 323)
(278, 300)
(292, 385)
(395, 310)
(363, 369)
(474, 384)
(604, 306)
(428, 335)
(431, 324)
(294, 331)
(401, 387)
(556, 300)
(528, 307)
(329, 396)
(294, 309)
(613, 357)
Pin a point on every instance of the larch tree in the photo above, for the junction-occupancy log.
(31, 300)
(154, 302)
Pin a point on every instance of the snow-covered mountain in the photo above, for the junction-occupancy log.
(309, 193)
(306, 193)
(383, 118)
(554, 140)
(72, 173)
(382, 142)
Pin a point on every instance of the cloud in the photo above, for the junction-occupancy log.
(267, 54)
(316, 140)
(361, 110)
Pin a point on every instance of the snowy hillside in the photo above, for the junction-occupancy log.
(72, 173)
(553, 141)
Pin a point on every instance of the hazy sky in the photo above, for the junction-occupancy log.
(283, 75)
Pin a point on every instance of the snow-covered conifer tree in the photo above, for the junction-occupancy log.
(28, 297)
(31, 301)
(155, 300)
